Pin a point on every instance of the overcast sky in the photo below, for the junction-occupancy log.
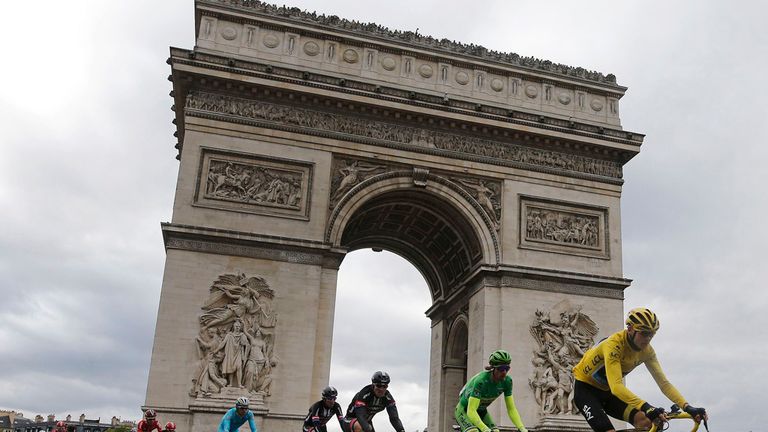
(87, 173)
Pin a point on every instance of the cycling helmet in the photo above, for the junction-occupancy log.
(380, 377)
(242, 401)
(499, 357)
(60, 424)
(642, 319)
(150, 414)
(170, 426)
(330, 392)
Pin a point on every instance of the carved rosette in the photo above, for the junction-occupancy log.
(563, 227)
(239, 182)
(235, 346)
(563, 334)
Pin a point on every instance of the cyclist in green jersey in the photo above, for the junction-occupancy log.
(482, 389)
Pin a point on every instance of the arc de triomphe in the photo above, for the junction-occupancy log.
(302, 137)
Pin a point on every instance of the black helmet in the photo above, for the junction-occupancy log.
(330, 392)
(380, 377)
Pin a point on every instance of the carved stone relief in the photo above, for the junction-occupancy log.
(236, 342)
(561, 344)
(487, 193)
(317, 120)
(254, 184)
(347, 173)
(560, 227)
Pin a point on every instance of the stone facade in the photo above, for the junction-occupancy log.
(303, 137)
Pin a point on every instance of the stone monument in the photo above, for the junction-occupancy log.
(302, 137)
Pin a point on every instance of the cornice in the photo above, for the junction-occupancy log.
(238, 243)
(405, 39)
(189, 69)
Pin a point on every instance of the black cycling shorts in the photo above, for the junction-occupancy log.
(596, 405)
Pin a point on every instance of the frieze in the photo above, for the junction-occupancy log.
(560, 227)
(387, 132)
(233, 181)
(417, 39)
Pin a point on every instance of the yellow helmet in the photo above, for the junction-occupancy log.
(642, 319)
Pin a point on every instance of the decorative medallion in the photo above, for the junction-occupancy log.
(271, 41)
(564, 98)
(229, 33)
(350, 56)
(311, 49)
(596, 104)
(426, 70)
(388, 63)
(497, 85)
(462, 77)
(531, 91)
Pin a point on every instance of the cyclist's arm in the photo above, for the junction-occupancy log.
(472, 404)
(251, 423)
(361, 413)
(612, 356)
(394, 418)
(339, 415)
(666, 387)
(514, 415)
(224, 425)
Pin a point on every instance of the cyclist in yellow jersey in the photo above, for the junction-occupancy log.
(599, 390)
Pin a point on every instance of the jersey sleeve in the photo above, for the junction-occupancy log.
(472, 414)
(224, 424)
(612, 356)
(394, 417)
(251, 423)
(666, 387)
(508, 386)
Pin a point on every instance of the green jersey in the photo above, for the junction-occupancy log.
(483, 387)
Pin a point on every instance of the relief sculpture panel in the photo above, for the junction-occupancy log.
(561, 344)
(235, 345)
(562, 227)
(254, 184)
(487, 193)
(348, 173)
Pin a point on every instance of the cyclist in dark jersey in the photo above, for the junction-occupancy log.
(472, 410)
(322, 411)
(369, 401)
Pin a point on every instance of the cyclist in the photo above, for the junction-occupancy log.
(599, 390)
(367, 402)
(235, 417)
(60, 427)
(482, 389)
(322, 411)
(149, 423)
(170, 427)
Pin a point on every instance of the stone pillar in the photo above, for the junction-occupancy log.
(436, 414)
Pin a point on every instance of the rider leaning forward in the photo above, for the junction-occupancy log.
(367, 402)
(599, 390)
(237, 416)
(482, 389)
(322, 411)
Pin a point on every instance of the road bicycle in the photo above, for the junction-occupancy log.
(673, 414)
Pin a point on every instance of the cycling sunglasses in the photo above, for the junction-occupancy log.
(503, 368)
(379, 385)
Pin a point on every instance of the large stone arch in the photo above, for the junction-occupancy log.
(466, 231)
(302, 138)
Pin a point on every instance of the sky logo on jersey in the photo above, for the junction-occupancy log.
(587, 410)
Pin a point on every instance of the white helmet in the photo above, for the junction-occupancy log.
(242, 401)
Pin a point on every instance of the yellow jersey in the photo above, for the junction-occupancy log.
(605, 365)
